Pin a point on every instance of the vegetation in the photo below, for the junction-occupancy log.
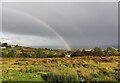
(38, 64)
(26, 52)
(84, 68)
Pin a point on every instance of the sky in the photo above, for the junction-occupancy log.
(59, 0)
(60, 23)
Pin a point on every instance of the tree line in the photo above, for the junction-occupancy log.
(110, 51)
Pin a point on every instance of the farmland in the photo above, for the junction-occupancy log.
(83, 68)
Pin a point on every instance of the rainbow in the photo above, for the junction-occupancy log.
(45, 24)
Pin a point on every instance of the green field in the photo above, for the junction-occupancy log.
(84, 68)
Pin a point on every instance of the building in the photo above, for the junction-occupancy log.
(67, 56)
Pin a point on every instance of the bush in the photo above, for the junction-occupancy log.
(12, 53)
(51, 56)
(98, 51)
(111, 51)
(62, 55)
(40, 54)
(24, 55)
(77, 53)
(4, 54)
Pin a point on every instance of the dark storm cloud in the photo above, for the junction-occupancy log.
(79, 23)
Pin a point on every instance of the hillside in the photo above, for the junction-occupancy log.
(28, 52)
(42, 64)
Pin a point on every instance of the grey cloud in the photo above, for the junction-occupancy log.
(14, 22)
(78, 23)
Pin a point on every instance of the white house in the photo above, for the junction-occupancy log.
(2, 47)
(67, 56)
(12, 46)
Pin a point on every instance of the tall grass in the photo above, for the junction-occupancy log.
(62, 75)
(61, 69)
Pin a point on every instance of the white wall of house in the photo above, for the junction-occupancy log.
(68, 56)
(2, 47)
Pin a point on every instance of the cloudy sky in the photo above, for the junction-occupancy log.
(60, 23)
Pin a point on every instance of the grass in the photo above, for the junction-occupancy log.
(84, 68)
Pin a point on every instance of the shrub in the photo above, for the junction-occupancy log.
(40, 54)
(24, 55)
(4, 54)
(62, 55)
(12, 53)
(98, 51)
(111, 51)
(51, 56)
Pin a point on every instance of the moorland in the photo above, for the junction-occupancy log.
(20, 63)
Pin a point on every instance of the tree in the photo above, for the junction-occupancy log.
(111, 51)
(76, 53)
(98, 51)
(5, 45)
(83, 52)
